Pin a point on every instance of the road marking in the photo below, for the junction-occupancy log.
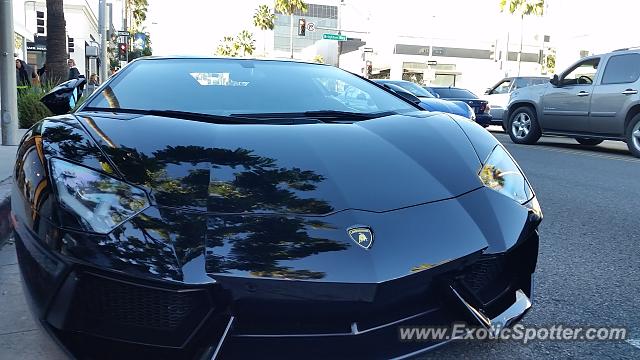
(634, 342)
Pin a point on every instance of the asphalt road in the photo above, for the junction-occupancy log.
(589, 263)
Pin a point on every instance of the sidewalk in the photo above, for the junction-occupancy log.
(7, 160)
(20, 337)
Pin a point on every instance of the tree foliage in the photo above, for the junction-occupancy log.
(139, 13)
(264, 19)
(523, 7)
(242, 44)
(289, 7)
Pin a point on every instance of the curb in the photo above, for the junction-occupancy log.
(5, 210)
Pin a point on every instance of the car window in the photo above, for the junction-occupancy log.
(242, 86)
(583, 73)
(622, 69)
(413, 88)
(539, 81)
(462, 94)
(442, 92)
(525, 82)
(502, 88)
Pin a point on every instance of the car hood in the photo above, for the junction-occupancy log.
(433, 104)
(529, 92)
(312, 169)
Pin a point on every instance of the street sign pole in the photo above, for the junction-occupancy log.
(8, 92)
(102, 14)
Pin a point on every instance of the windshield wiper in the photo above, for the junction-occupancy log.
(320, 115)
(211, 118)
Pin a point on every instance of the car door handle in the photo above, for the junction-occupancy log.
(583, 93)
(629, 92)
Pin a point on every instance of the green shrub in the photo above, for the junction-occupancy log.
(30, 109)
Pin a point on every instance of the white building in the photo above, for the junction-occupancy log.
(81, 18)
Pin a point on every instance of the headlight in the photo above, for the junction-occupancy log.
(100, 202)
(500, 173)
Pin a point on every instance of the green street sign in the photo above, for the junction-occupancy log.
(334, 37)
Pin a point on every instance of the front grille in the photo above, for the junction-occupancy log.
(138, 313)
(135, 305)
(483, 272)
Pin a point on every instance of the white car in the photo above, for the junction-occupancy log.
(498, 95)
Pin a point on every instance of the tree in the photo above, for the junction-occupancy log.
(241, 45)
(139, 13)
(289, 7)
(227, 47)
(56, 42)
(264, 20)
(522, 8)
(245, 42)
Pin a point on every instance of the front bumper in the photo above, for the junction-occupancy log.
(99, 314)
(484, 119)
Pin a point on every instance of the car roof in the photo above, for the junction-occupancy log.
(389, 81)
(196, 57)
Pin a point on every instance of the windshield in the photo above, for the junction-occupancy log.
(413, 88)
(243, 86)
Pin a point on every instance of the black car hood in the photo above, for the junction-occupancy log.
(312, 169)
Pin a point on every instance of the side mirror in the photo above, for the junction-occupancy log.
(64, 97)
(437, 95)
(555, 80)
(487, 91)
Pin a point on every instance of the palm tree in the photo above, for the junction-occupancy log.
(264, 20)
(227, 47)
(245, 42)
(56, 42)
(522, 8)
(288, 7)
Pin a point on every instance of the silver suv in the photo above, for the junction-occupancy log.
(595, 99)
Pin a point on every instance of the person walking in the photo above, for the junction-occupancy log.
(24, 74)
(74, 73)
(43, 73)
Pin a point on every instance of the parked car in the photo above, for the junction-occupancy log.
(427, 100)
(593, 100)
(480, 107)
(498, 95)
(245, 209)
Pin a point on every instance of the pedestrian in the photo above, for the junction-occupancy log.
(24, 73)
(92, 84)
(43, 73)
(93, 79)
(74, 73)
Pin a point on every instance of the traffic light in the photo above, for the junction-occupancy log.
(122, 51)
(70, 44)
(40, 22)
(302, 27)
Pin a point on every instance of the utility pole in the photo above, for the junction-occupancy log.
(8, 90)
(102, 20)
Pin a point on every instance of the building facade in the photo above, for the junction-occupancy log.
(81, 18)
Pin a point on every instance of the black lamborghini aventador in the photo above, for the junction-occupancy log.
(211, 208)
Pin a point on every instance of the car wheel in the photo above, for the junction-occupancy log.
(523, 126)
(633, 136)
(588, 141)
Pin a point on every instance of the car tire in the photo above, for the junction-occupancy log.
(588, 141)
(523, 126)
(633, 136)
